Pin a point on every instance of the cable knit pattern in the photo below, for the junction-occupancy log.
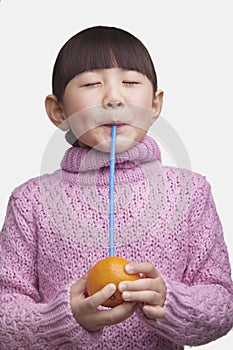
(56, 227)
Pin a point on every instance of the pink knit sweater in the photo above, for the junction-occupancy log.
(56, 227)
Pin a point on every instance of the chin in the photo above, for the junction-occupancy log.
(122, 145)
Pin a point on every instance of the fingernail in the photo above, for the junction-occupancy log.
(146, 308)
(111, 287)
(122, 287)
(126, 296)
(128, 268)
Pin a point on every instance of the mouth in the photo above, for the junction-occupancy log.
(119, 125)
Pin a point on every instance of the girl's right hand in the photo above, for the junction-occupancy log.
(85, 308)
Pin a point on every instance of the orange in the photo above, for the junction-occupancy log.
(109, 270)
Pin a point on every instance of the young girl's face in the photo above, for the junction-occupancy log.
(101, 98)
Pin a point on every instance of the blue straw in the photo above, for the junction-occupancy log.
(111, 191)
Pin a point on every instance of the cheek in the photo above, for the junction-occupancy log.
(73, 106)
(82, 102)
(145, 99)
(148, 100)
(74, 101)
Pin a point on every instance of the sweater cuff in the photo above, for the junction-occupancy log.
(191, 317)
(165, 325)
(179, 318)
(59, 326)
(172, 325)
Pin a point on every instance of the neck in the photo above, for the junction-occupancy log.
(78, 159)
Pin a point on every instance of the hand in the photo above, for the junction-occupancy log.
(150, 290)
(85, 309)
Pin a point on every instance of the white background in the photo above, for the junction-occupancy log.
(191, 45)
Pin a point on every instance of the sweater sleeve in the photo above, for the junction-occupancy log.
(199, 309)
(25, 321)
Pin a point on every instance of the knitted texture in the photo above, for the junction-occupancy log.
(56, 228)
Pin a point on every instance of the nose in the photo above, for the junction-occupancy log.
(113, 105)
(113, 98)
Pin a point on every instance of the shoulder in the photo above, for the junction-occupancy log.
(26, 188)
(187, 187)
(181, 176)
(32, 187)
(26, 199)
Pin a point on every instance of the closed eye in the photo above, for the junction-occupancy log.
(92, 84)
(130, 83)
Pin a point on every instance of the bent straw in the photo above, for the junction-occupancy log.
(111, 190)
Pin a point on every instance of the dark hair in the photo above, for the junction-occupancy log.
(100, 47)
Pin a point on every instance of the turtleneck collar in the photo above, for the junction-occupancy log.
(78, 159)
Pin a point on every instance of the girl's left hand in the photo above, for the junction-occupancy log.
(150, 290)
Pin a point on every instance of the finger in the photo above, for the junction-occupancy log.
(140, 284)
(153, 311)
(123, 311)
(117, 314)
(80, 286)
(144, 268)
(100, 297)
(150, 297)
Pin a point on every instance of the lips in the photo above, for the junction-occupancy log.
(117, 124)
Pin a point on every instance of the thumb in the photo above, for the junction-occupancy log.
(79, 286)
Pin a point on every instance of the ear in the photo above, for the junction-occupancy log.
(56, 112)
(157, 105)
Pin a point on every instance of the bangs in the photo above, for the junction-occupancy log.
(100, 48)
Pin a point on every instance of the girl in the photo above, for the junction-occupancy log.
(166, 221)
